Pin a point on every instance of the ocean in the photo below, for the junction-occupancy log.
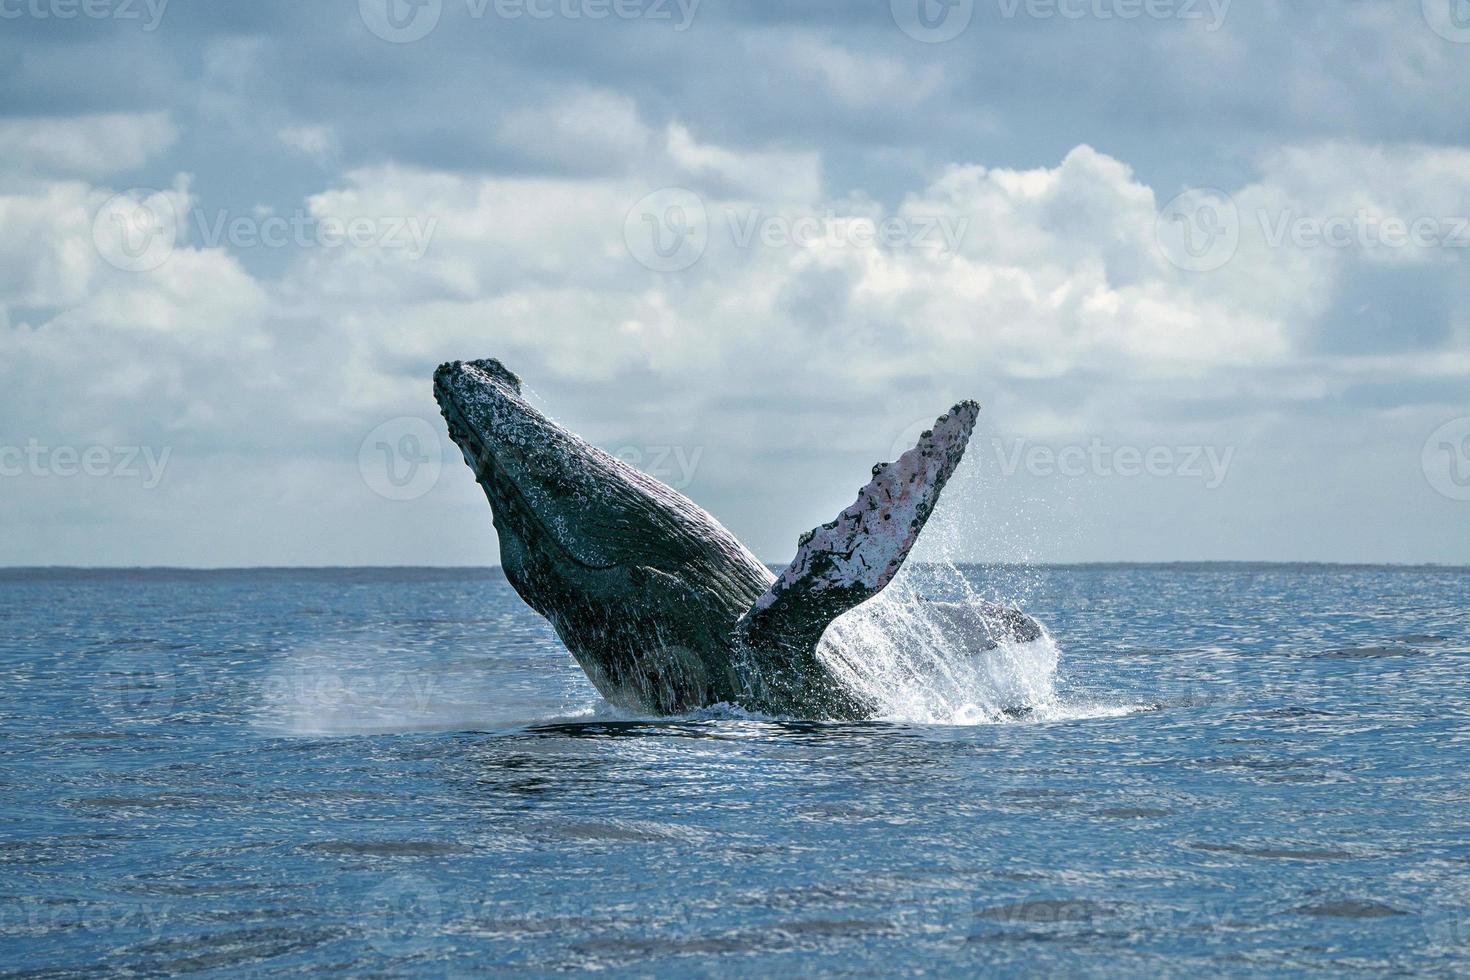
(1217, 769)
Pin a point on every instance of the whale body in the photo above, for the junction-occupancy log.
(662, 607)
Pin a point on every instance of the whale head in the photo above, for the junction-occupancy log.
(621, 565)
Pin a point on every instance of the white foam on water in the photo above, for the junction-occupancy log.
(896, 657)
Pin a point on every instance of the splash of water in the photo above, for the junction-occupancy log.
(895, 655)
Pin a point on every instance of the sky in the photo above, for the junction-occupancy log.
(1202, 263)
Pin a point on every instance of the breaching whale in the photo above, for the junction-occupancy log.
(661, 606)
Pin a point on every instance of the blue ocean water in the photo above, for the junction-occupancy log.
(1221, 769)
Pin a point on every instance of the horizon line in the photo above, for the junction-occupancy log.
(1280, 563)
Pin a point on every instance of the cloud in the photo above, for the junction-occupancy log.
(596, 131)
(886, 226)
(319, 143)
(772, 174)
(87, 146)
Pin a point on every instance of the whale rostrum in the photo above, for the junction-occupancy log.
(661, 606)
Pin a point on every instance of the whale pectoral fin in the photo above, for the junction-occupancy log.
(851, 559)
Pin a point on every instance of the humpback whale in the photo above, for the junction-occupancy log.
(661, 606)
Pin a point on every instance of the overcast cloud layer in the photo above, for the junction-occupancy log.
(1203, 264)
